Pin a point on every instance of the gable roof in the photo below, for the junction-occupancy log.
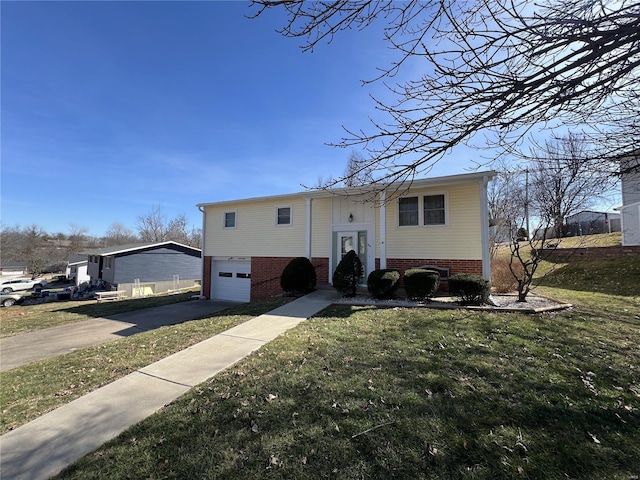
(461, 179)
(582, 212)
(132, 247)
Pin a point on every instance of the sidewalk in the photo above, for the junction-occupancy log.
(46, 445)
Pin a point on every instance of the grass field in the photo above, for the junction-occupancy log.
(416, 394)
(31, 390)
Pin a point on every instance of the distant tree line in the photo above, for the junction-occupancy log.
(46, 252)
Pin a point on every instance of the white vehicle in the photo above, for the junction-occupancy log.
(18, 284)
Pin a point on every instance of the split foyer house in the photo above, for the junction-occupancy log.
(145, 268)
(440, 222)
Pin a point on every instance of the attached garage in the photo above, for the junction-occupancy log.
(231, 280)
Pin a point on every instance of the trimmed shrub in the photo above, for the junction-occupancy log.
(347, 275)
(421, 283)
(469, 288)
(299, 276)
(383, 283)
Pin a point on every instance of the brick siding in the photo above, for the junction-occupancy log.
(266, 271)
(206, 273)
(454, 266)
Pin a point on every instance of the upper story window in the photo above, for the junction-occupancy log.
(425, 210)
(108, 262)
(283, 216)
(408, 211)
(229, 219)
(434, 211)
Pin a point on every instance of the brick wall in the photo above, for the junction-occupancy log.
(590, 252)
(322, 269)
(454, 266)
(266, 271)
(206, 281)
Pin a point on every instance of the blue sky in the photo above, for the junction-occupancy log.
(111, 108)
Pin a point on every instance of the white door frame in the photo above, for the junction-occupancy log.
(352, 229)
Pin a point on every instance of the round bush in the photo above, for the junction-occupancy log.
(421, 283)
(470, 289)
(347, 275)
(299, 276)
(383, 283)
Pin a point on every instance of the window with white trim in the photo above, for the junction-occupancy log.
(434, 210)
(230, 219)
(408, 211)
(283, 216)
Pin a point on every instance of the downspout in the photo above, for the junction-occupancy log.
(484, 229)
(202, 251)
(383, 229)
(308, 201)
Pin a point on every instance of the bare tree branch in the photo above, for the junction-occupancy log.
(493, 68)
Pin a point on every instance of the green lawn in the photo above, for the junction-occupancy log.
(415, 393)
(31, 390)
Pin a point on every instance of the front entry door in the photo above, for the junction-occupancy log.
(357, 241)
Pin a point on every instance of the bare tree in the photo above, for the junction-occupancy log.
(152, 227)
(506, 196)
(565, 179)
(492, 69)
(11, 243)
(33, 246)
(118, 234)
(77, 237)
(358, 171)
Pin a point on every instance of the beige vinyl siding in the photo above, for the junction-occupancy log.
(320, 231)
(256, 232)
(459, 239)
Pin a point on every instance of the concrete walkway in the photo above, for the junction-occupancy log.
(29, 347)
(46, 445)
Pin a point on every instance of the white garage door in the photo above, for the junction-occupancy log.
(231, 280)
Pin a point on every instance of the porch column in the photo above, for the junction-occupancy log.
(383, 230)
(308, 202)
(484, 228)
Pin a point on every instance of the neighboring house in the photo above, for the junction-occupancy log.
(590, 223)
(77, 269)
(630, 208)
(441, 222)
(145, 268)
(14, 268)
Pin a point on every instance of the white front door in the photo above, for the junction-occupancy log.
(348, 241)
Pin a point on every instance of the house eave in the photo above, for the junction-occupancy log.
(460, 179)
(120, 249)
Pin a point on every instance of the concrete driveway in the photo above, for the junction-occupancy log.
(30, 347)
